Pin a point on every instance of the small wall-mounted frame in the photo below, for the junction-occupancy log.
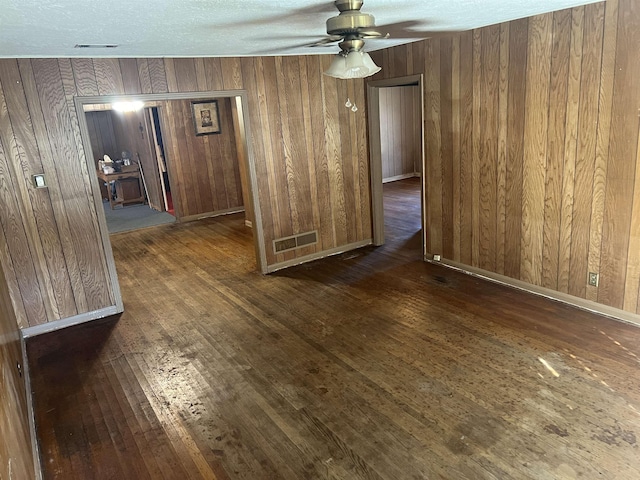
(38, 180)
(206, 117)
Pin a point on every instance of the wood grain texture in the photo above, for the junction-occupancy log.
(535, 147)
(571, 136)
(585, 149)
(622, 166)
(564, 183)
(16, 454)
(132, 133)
(518, 60)
(555, 147)
(399, 128)
(276, 93)
(433, 149)
(318, 372)
(488, 141)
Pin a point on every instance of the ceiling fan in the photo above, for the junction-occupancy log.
(350, 23)
(351, 27)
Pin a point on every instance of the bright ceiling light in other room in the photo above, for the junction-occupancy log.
(127, 106)
(352, 61)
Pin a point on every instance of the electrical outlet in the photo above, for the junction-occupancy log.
(436, 258)
(594, 279)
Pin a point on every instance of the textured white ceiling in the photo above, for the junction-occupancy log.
(175, 28)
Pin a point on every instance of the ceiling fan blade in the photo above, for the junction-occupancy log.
(410, 30)
(291, 16)
(326, 41)
(370, 33)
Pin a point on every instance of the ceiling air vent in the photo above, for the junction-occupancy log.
(295, 241)
(96, 45)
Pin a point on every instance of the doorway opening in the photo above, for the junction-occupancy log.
(179, 168)
(396, 142)
(124, 150)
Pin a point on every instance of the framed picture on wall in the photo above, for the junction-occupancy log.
(206, 117)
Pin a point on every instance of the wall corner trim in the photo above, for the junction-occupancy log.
(70, 321)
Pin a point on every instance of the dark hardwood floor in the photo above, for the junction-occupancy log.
(367, 365)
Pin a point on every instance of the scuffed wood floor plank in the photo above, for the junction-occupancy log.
(367, 365)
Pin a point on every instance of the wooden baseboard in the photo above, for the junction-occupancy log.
(316, 256)
(401, 177)
(37, 466)
(70, 321)
(583, 304)
(200, 216)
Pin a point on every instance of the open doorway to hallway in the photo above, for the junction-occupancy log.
(143, 151)
(397, 160)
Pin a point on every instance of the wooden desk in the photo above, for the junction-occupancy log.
(129, 188)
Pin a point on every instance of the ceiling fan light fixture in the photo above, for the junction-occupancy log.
(370, 64)
(337, 67)
(355, 64)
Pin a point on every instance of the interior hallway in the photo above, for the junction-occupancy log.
(371, 364)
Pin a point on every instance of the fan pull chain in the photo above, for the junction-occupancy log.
(353, 107)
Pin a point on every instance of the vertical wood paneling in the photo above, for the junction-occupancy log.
(457, 145)
(17, 246)
(16, 454)
(204, 169)
(501, 180)
(433, 151)
(535, 150)
(39, 225)
(108, 76)
(555, 147)
(621, 169)
(603, 140)
(466, 146)
(446, 148)
(144, 75)
(585, 149)
(77, 203)
(476, 153)
(318, 127)
(330, 104)
(518, 60)
(571, 139)
(130, 75)
(399, 122)
(84, 76)
(132, 132)
(632, 280)
(314, 212)
(294, 120)
(157, 74)
(489, 84)
(548, 147)
(50, 169)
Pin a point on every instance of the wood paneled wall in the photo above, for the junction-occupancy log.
(310, 152)
(102, 135)
(16, 454)
(204, 170)
(54, 259)
(533, 163)
(400, 131)
(133, 134)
